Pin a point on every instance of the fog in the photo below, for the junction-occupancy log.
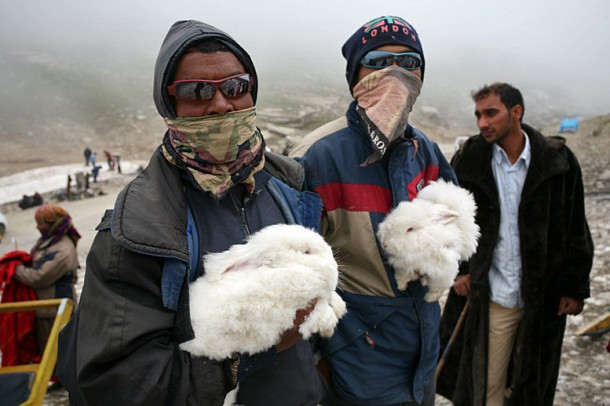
(556, 51)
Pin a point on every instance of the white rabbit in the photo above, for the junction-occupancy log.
(425, 239)
(250, 293)
(460, 200)
(419, 244)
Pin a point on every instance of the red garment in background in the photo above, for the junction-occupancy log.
(17, 329)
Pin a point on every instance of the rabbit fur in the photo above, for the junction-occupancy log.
(427, 237)
(250, 293)
(461, 201)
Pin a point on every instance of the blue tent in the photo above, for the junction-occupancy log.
(569, 125)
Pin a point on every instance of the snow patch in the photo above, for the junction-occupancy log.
(51, 178)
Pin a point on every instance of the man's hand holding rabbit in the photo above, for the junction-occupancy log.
(293, 336)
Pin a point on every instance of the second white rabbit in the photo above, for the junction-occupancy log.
(427, 237)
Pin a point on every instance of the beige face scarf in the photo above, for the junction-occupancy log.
(385, 98)
(218, 151)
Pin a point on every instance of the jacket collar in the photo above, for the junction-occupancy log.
(150, 213)
(546, 161)
(499, 155)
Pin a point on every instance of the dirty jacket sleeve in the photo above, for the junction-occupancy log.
(123, 350)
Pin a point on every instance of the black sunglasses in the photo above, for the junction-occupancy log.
(202, 89)
(383, 59)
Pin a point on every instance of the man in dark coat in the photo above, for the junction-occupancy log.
(532, 265)
(87, 154)
(208, 186)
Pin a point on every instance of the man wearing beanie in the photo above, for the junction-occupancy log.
(208, 186)
(385, 348)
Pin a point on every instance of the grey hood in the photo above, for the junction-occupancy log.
(179, 37)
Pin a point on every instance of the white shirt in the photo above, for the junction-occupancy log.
(505, 271)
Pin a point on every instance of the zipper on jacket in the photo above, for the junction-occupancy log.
(416, 311)
(241, 211)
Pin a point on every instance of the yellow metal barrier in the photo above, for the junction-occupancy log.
(44, 370)
(597, 327)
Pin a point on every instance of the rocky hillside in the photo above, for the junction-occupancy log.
(592, 147)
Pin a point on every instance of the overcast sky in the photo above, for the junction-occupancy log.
(563, 43)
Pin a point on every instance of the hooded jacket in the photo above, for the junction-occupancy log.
(556, 253)
(122, 345)
(179, 38)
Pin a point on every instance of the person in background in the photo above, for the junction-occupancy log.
(53, 272)
(3, 225)
(87, 154)
(208, 186)
(117, 158)
(385, 349)
(93, 158)
(95, 171)
(532, 265)
(109, 160)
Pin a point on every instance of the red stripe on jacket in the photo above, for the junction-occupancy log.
(429, 174)
(355, 197)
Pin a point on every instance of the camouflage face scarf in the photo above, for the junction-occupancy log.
(385, 99)
(218, 151)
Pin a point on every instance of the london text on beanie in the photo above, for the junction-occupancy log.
(386, 30)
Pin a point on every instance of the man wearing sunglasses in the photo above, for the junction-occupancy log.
(208, 186)
(532, 266)
(385, 348)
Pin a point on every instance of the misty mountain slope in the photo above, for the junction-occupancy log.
(79, 85)
(52, 107)
(55, 104)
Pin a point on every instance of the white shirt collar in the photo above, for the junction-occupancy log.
(525, 156)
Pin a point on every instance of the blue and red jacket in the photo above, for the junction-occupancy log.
(385, 349)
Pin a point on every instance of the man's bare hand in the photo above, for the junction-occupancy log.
(462, 285)
(570, 306)
(292, 336)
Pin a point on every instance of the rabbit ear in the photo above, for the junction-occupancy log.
(442, 214)
(236, 267)
(233, 259)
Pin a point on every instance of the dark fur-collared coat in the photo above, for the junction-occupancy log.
(557, 254)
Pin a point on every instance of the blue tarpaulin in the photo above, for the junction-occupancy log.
(568, 125)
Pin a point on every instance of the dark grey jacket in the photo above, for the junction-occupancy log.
(122, 345)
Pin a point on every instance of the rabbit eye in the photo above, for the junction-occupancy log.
(307, 251)
(410, 229)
